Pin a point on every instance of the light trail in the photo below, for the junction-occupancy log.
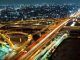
(55, 45)
(40, 43)
(35, 47)
(73, 24)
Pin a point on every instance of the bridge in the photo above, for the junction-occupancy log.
(39, 45)
(72, 28)
(46, 39)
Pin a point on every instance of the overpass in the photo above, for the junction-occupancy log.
(46, 38)
(43, 40)
(72, 27)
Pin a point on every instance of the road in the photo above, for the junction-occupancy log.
(44, 39)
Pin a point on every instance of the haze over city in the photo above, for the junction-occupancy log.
(14, 2)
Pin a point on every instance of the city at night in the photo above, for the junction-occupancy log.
(39, 29)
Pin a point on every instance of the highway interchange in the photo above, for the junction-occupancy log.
(26, 46)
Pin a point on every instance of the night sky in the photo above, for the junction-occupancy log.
(9, 2)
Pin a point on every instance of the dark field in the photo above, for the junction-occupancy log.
(68, 50)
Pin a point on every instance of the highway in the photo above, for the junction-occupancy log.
(43, 40)
(41, 43)
(29, 51)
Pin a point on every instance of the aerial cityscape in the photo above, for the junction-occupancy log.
(39, 29)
